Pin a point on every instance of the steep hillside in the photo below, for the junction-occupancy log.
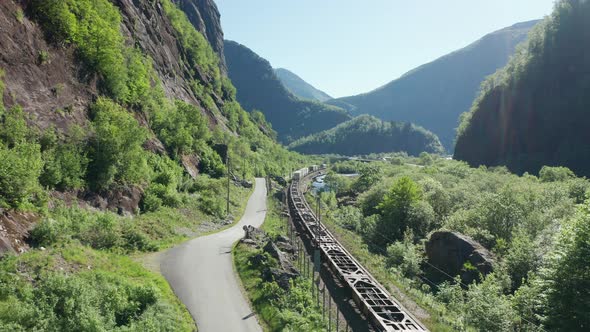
(115, 120)
(366, 134)
(259, 88)
(435, 94)
(300, 88)
(204, 16)
(534, 112)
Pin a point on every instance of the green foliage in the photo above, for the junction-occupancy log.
(552, 174)
(21, 162)
(521, 258)
(366, 134)
(405, 257)
(65, 160)
(117, 156)
(337, 183)
(199, 52)
(19, 15)
(164, 185)
(369, 175)
(116, 296)
(396, 210)
(93, 26)
(181, 127)
(486, 307)
(293, 310)
(19, 172)
(568, 276)
(349, 217)
(514, 216)
(533, 111)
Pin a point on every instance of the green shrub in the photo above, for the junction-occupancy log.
(396, 209)
(65, 160)
(93, 26)
(552, 174)
(117, 155)
(19, 175)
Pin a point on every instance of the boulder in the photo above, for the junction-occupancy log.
(457, 254)
(254, 234)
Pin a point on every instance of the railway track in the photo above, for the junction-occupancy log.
(385, 313)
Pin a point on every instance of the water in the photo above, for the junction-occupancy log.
(318, 183)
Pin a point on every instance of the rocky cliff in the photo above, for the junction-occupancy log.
(204, 15)
(46, 79)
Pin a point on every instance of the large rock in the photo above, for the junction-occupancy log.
(284, 272)
(458, 254)
(14, 230)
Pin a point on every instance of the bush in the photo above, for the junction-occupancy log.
(65, 161)
(349, 217)
(396, 209)
(405, 256)
(117, 155)
(553, 174)
(19, 175)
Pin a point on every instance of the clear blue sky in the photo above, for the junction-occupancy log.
(346, 47)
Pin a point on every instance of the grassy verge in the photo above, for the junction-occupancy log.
(277, 309)
(80, 275)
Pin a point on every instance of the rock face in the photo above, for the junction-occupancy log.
(458, 254)
(204, 15)
(14, 228)
(280, 249)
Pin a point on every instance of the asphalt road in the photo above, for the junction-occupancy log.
(201, 274)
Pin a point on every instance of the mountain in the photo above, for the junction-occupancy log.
(259, 88)
(366, 134)
(116, 117)
(300, 88)
(535, 111)
(100, 98)
(204, 16)
(435, 94)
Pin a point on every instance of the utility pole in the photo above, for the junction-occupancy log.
(228, 180)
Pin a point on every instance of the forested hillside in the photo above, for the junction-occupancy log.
(480, 249)
(366, 134)
(260, 89)
(300, 88)
(435, 94)
(534, 112)
(115, 120)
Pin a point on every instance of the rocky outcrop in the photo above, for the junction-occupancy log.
(281, 249)
(14, 228)
(205, 17)
(43, 79)
(458, 254)
(124, 201)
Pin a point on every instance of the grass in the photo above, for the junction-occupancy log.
(277, 310)
(89, 272)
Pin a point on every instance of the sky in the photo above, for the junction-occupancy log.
(347, 47)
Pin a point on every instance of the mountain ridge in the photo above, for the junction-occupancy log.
(446, 86)
(299, 87)
(259, 88)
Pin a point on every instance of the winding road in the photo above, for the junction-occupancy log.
(201, 274)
